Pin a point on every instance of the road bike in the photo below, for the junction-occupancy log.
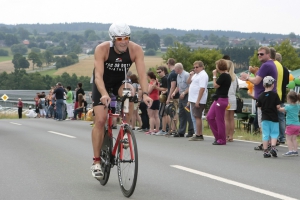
(123, 154)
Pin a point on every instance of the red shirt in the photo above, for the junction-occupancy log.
(154, 95)
(20, 104)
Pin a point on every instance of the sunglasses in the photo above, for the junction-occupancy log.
(260, 54)
(119, 39)
(196, 67)
(158, 72)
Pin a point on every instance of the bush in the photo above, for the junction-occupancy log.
(3, 52)
(150, 52)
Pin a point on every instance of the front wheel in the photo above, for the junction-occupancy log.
(127, 162)
(105, 156)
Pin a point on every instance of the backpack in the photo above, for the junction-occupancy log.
(41, 104)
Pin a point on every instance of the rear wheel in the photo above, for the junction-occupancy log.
(105, 156)
(127, 166)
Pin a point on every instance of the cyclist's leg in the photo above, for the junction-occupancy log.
(131, 104)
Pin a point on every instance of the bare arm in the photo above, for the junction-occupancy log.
(100, 53)
(255, 80)
(173, 87)
(280, 109)
(189, 80)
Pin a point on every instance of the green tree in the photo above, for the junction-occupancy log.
(48, 57)
(254, 60)
(11, 39)
(168, 41)
(3, 52)
(19, 48)
(23, 33)
(35, 49)
(35, 58)
(290, 57)
(23, 63)
(180, 52)
(16, 59)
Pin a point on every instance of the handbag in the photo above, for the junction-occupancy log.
(214, 97)
(239, 105)
(239, 100)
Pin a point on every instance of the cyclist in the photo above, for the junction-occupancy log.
(112, 61)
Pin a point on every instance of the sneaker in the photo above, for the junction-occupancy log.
(267, 155)
(196, 138)
(96, 171)
(161, 132)
(149, 132)
(178, 135)
(273, 152)
(145, 130)
(189, 135)
(153, 133)
(295, 153)
(288, 154)
(139, 129)
(260, 147)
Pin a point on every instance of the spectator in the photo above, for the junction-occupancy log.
(31, 113)
(135, 115)
(20, 108)
(198, 80)
(41, 105)
(216, 113)
(268, 101)
(59, 94)
(36, 99)
(82, 106)
(153, 110)
(183, 90)
(79, 90)
(229, 112)
(172, 82)
(162, 72)
(69, 102)
(292, 123)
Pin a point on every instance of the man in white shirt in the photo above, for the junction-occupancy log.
(31, 113)
(198, 81)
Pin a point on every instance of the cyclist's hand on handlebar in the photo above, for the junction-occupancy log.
(148, 101)
(105, 100)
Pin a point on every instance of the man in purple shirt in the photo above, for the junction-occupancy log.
(268, 68)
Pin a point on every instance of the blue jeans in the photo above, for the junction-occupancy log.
(59, 106)
(193, 119)
(281, 119)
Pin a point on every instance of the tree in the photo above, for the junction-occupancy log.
(23, 33)
(16, 59)
(11, 39)
(23, 63)
(35, 49)
(48, 57)
(168, 41)
(150, 52)
(19, 48)
(35, 58)
(180, 53)
(290, 57)
(3, 52)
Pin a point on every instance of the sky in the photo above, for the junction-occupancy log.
(265, 16)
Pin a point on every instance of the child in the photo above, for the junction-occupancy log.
(269, 102)
(292, 123)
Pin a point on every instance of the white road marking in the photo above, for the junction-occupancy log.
(224, 180)
(15, 123)
(61, 134)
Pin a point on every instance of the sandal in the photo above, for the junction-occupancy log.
(230, 140)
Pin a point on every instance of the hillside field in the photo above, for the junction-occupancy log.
(85, 66)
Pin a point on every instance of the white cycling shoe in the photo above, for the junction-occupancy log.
(96, 171)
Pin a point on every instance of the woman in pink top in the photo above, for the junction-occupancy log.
(153, 110)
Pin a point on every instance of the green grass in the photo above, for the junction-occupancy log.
(5, 58)
(49, 72)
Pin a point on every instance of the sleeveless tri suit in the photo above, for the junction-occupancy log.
(114, 73)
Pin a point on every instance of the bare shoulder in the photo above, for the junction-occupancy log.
(135, 50)
(102, 49)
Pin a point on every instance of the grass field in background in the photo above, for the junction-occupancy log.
(85, 67)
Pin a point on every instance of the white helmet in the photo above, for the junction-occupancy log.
(119, 29)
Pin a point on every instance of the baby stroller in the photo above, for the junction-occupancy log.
(170, 110)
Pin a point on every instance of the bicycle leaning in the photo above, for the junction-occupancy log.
(123, 154)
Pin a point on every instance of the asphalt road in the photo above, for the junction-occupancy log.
(47, 159)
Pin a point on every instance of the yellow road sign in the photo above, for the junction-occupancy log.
(4, 97)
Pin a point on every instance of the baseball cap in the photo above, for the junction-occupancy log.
(268, 81)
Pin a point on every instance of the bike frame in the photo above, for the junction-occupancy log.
(120, 134)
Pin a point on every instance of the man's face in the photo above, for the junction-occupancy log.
(262, 56)
(121, 43)
(160, 73)
(196, 68)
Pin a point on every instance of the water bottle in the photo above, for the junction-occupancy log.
(126, 103)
